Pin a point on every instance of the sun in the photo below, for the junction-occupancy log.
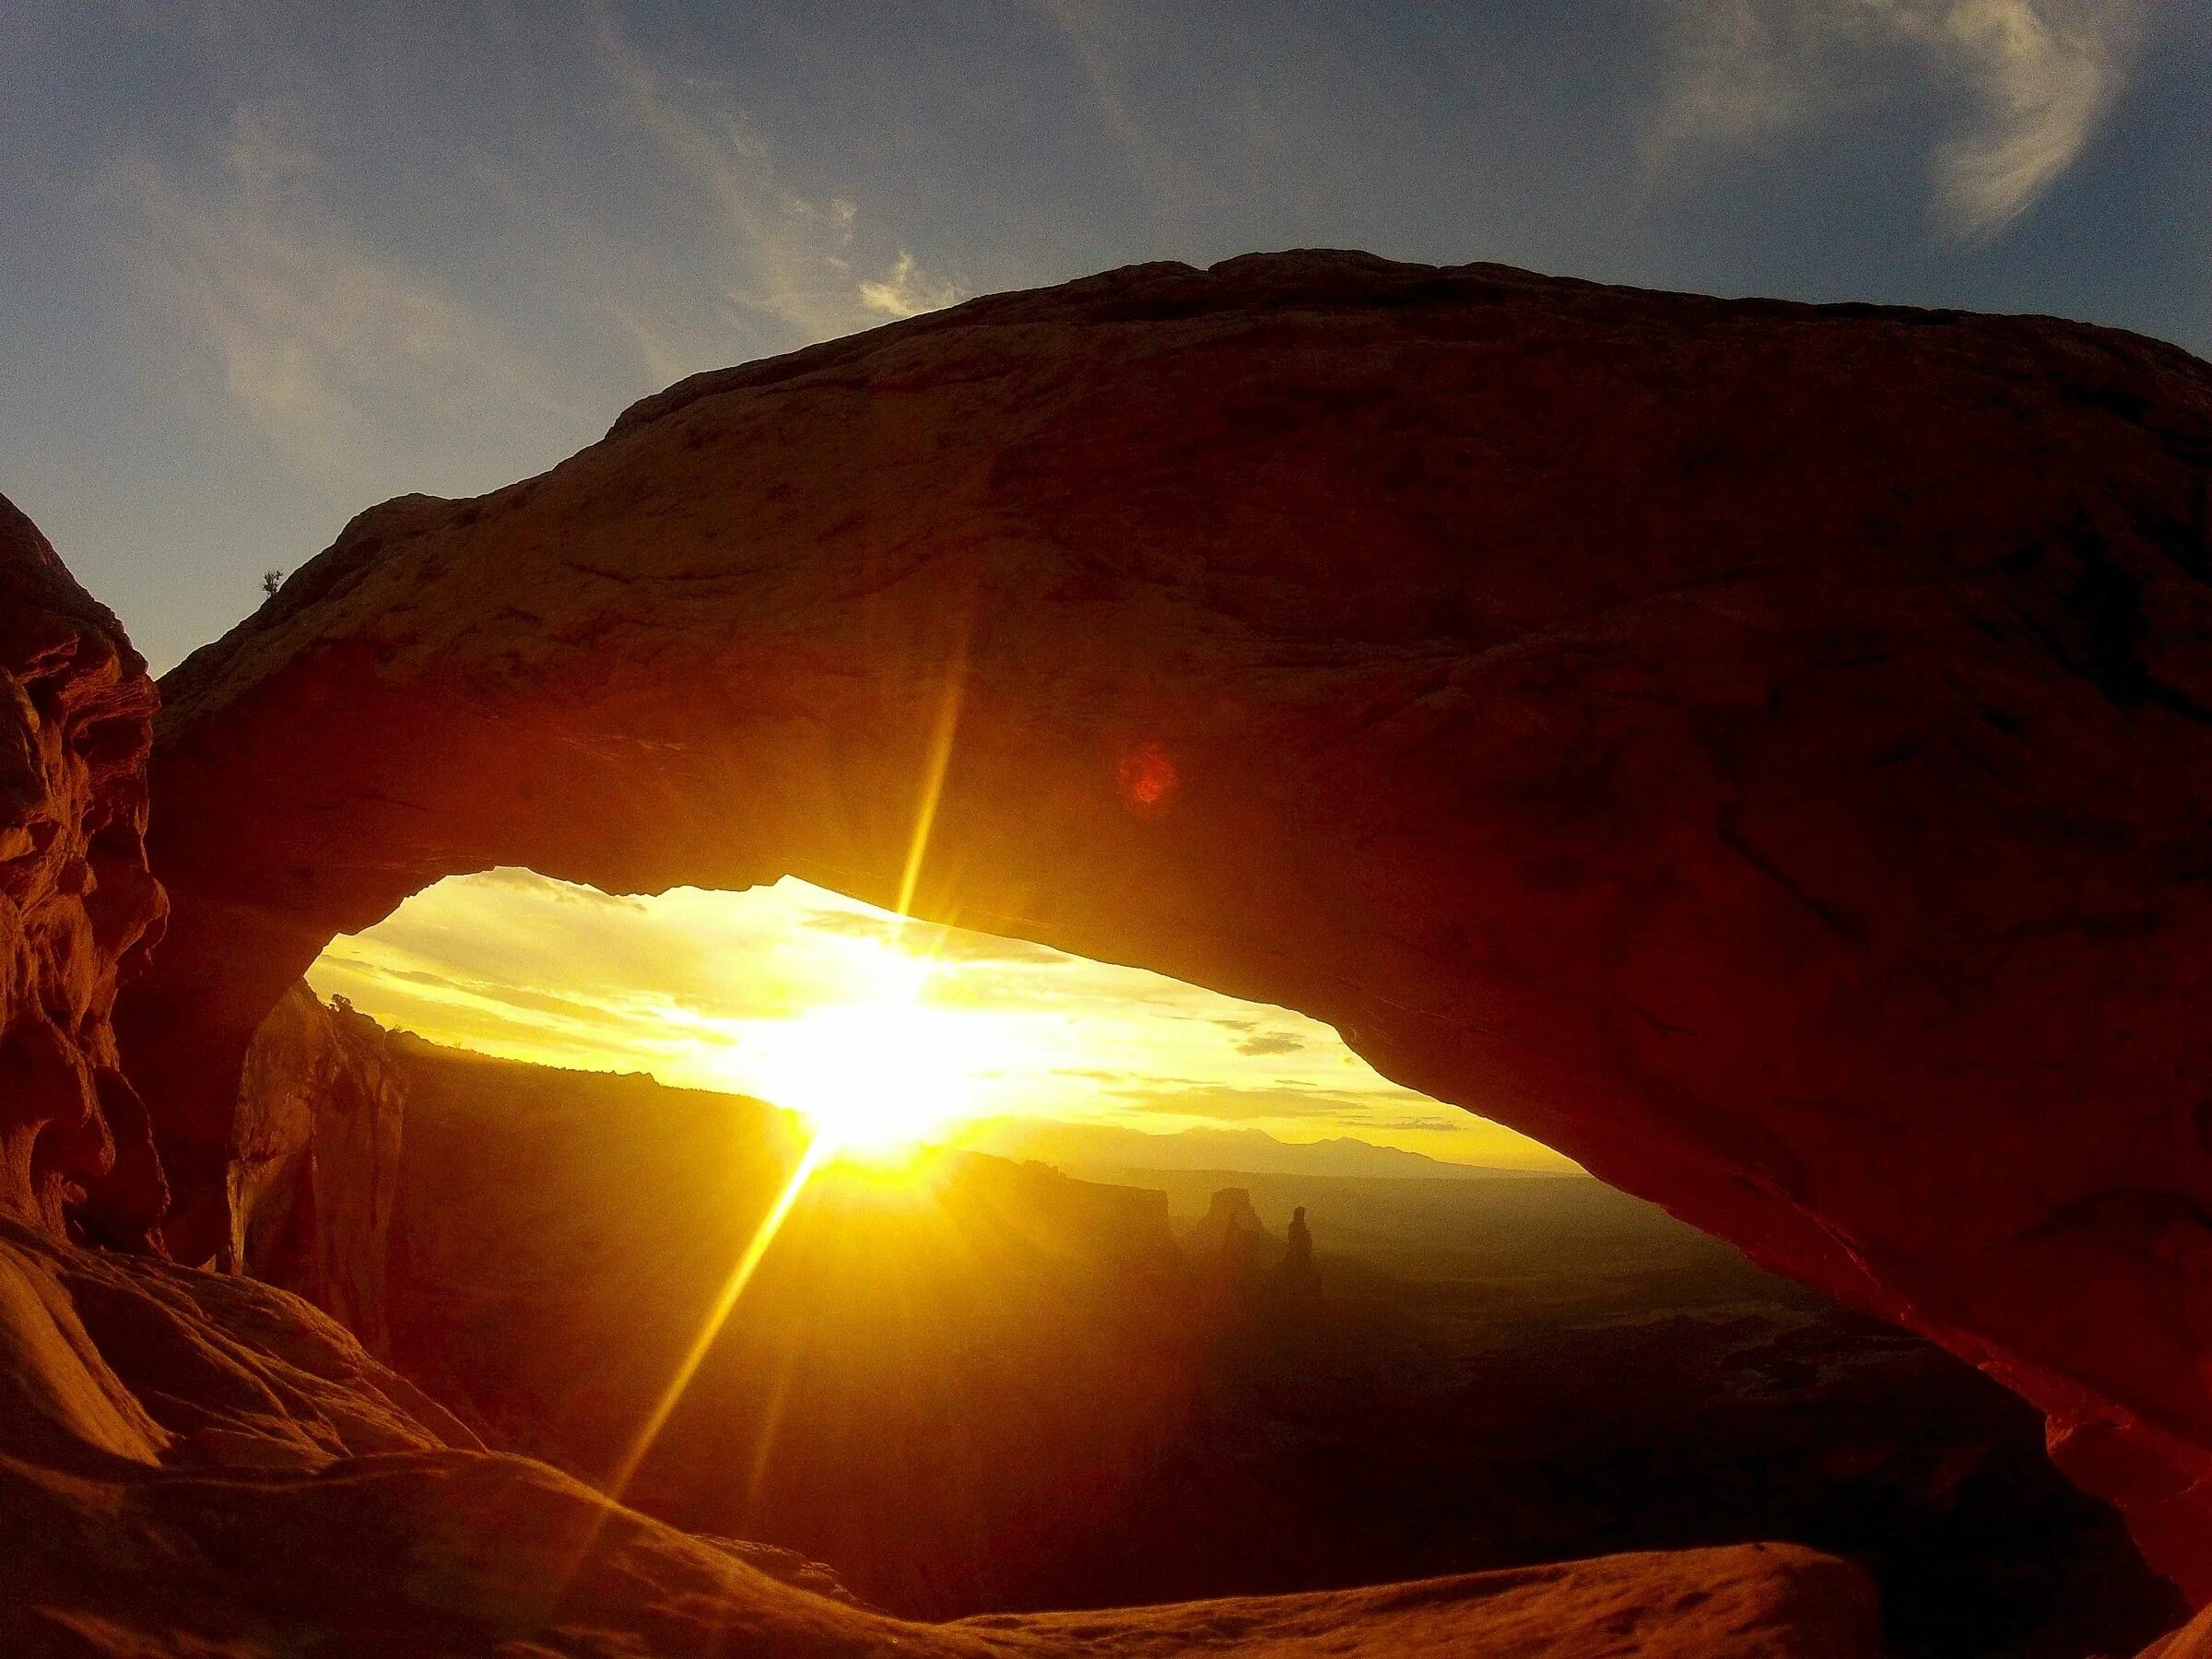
(877, 1073)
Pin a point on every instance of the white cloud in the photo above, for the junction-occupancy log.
(779, 253)
(2046, 76)
(907, 290)
(2028, 80)
(784, 254)
(1732, 76)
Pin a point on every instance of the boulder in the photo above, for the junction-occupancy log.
(1763, 751)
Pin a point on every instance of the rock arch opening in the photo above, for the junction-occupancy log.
(798, 995)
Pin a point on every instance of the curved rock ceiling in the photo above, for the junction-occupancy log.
(1764, 751)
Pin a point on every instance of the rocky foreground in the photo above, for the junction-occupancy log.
(989, 1387)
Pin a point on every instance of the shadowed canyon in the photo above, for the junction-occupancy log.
(1763, 751)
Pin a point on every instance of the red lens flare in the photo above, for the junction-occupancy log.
(1145, 778)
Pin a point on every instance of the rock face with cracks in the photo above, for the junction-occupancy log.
(78, 911)
(1762, 750)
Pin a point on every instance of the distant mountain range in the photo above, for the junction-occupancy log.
(1080, 1147)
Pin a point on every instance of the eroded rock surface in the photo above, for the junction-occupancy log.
(78, 911)
(1763, 751)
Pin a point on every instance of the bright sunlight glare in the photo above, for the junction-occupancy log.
(880, 1072)
(883, 1031)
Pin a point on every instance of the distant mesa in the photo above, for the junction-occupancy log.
(1113, 1147)
(1229, 1236)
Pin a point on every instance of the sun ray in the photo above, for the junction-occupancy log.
(941, 735)
(853, 1105)
(816, 1154)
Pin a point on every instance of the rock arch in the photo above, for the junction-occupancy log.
(1763, 751)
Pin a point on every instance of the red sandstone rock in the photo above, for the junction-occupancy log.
(78, 911)
(1763, 751)
(1768, 1599)
(2193, 1640)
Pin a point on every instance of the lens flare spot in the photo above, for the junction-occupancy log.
(1145, 778)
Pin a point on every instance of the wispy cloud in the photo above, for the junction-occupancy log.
(637, 230)
(781, 253)
(788, 254)
(1098, 39)
(2045, 74)
(1736, 71)
(907, 290)
(317, 335)
(2026, 84)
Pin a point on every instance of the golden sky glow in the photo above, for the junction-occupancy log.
(879, 1030)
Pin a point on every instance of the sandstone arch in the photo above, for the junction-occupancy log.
(1763, 751)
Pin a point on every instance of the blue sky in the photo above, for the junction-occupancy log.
(261, 266)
